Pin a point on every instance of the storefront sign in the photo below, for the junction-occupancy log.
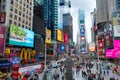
(2, 33)
(29, 69)
(15, 60)
(5, 64)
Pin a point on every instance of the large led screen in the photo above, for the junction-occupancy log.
(114, 53)
(21, 37)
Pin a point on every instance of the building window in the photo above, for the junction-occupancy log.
(4, 1)
(12, 2)
(20, 13)
(15, 17)
(15, 23)
(10, 21)
(3, 7)
(26, 16)
(16, 11)
(19, 19)
(23, 15)
(23, 26)
(11, 8)
(11, 15)
(19, 24)
(24, 9)
(30, 18)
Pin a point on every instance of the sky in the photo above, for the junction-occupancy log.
(86, 5)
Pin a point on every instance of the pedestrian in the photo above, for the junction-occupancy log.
(107, 72)
(24, 77)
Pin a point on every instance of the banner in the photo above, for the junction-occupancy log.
(48, 36)
(2, 37)
(108, 35)
(60, 35)
(2, 17)
(66, 38)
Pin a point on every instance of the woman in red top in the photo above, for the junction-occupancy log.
(24, 78)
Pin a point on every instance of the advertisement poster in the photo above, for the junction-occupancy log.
(21, 36)
(66, 38)
(60, 35)
(48, 36)
(114, 53)
(2, 33)
(100, 43)
(2, 17)
(116, 23)
(108, 35)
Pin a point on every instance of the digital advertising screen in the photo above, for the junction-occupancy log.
(114, 53)
(21, 36)
(108, 36)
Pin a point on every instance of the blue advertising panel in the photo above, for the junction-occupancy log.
(21, 36)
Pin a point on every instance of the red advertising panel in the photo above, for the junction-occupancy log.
(2, 32)
(66, 38)
(2, 17)
(114, 53)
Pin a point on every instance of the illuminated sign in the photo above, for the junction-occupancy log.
(60, 35)
(20, 36)
(48, 36)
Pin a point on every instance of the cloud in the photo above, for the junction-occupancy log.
(87, 6)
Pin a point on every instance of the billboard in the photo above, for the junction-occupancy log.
(108, 35)
(100, 43)
(66, 40)
(59, 35)
(116, 23)
(114, 53)
(2, 39)
(21, 36)
(2, 17)
(48, 36)
(91, 46)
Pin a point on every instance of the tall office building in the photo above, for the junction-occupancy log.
(68, 25)
(118, 4)
(51, 16)
(18, 12)
(81, 23)
(104, 9)
(38, 25)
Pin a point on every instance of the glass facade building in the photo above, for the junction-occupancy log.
(51, 16)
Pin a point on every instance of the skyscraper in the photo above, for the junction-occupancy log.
(68, 25)
(104, 10)
(38, 25)
(51, 16)
(18, 12)
(81, 22)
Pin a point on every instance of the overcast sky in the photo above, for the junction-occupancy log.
(86, 5)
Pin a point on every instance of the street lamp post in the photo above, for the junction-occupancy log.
(98, 54)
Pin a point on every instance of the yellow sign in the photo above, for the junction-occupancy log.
(48, 36)
(25, 54)
(115, 22)
(60, 35)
